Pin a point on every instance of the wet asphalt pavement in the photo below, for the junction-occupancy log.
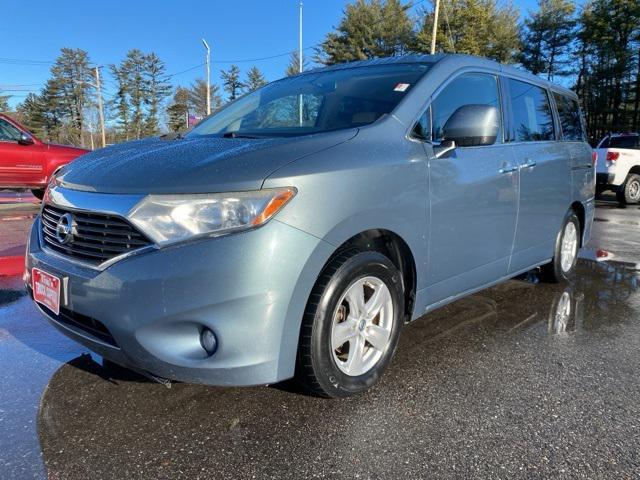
(523, 380)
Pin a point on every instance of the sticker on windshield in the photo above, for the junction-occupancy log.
(401, 87)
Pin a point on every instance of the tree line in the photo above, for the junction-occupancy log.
(594, 49)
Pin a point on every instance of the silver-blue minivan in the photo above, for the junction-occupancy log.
(295, 231)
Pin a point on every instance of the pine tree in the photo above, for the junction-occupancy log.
(70, 77)
(474, 27)
(368, 29)
(198, 97)
(134, 67)
(608, 49)
(156, 90)
(255, 80)
(4, 103)
(546, 38)
(231, 82)
(294, 64)
(178, 110)
(120, 102)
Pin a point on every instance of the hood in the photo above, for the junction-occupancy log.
(198, 165)
(66, 149)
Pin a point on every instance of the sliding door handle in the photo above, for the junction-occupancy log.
(528, 164)
(508, 169)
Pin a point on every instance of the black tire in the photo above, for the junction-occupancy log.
(38, 193)
(553, 272)
(316, 368)
(629, 192)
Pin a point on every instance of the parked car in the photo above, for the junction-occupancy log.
(295, 231)
(26, 162)
(618, 167)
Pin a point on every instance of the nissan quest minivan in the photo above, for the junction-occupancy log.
(295, 231)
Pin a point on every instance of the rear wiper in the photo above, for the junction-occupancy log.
(238, 135)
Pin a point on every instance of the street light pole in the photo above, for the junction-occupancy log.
(100, 108)
(435, 28)
(300, 61)
(208, 62)
(300, 40)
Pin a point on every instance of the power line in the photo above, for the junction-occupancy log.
(185, 71)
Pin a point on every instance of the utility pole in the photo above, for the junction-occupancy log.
(300, 61)
(300, 40)
(208, 63)
(435, 28)
(100, 108)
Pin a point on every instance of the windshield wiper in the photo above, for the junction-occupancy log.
(238, 135)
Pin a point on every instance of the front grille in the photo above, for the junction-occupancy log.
(97, 238)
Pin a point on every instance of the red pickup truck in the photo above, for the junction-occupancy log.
(26, 162)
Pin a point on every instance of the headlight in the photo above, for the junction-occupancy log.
(168, 219)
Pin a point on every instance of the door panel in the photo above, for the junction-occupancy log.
(545, 173)
(473, 218)
(544, 198)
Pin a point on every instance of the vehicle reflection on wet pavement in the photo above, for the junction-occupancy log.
(525, 379)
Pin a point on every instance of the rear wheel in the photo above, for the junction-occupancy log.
(351, 325)
(629, 191)
(38, 193)
(565, 257)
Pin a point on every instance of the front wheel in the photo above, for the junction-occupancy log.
(629, 191)
(563, 264)
(351, 325)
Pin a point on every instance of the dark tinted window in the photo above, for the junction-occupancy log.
(570, 120)
(8, 132)
(316, 102)
(422, 130)
(531, 113)
(628, 141)
(468, 89)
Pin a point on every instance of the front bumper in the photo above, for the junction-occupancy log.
(250, 289)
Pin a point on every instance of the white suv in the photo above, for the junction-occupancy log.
(618, 167)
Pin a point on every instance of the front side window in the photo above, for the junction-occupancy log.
(8, 133)
(532, 120)
(570, 119)
(316, 102)
(467, 89)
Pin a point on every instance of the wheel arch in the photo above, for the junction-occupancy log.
(580, 212)
(396, 249)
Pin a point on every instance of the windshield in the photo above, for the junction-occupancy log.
(315, 102)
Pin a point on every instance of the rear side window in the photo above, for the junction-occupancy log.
(531, 112)
(570, 119)
(467, 89)
(629, 141)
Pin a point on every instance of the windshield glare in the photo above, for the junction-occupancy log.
(315, 102)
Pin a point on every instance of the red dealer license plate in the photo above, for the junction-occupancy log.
(46, 289)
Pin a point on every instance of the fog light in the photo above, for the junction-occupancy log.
(208, 341)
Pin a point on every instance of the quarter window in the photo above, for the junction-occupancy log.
(531, 112)
(467, 89)
(570, 119)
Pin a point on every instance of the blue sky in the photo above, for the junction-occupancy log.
(251, 29)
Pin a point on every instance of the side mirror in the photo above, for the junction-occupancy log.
(473, 125)
(25, 139)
